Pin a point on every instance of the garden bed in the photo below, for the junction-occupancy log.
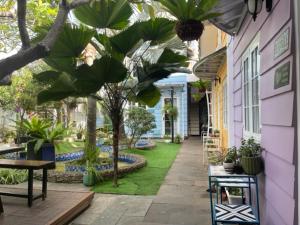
(136, 161)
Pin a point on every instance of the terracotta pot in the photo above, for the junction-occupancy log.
(189, 30)
(251, 165)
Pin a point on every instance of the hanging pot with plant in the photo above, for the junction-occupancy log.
(190, 14)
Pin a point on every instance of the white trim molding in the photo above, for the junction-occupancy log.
(297, 52)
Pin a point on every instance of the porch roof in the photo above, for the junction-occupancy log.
(233, 14)
(207, 68)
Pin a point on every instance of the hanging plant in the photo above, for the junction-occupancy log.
(200, 87)
(171, 111)
(190, 14)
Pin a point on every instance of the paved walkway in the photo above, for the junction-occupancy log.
(181, 200)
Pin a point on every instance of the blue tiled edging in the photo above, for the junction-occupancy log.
(69, 156)
(135, 162)
(122, 158)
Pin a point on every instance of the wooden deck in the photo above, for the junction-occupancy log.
(58, 209)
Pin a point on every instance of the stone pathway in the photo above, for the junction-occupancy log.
(181, 200)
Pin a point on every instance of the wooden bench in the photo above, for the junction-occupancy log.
(29, 165)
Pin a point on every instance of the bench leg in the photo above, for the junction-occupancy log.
(45, 180)
(1, 206)
(30, 187)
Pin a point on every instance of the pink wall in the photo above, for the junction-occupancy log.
(277, 183)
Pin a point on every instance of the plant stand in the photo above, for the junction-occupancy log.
(233, 213)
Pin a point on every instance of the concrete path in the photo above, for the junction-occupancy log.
(181, 200)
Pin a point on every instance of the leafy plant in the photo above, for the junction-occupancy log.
(177, 139)
(231, 155)
(184, 10)
(41, 131)
(200, 87)
(139, 121)
(170, 110)
(235, 191)
(249, 148)
(12, 176)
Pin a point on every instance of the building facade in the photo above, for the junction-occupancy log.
(177, 83)
(262, 96)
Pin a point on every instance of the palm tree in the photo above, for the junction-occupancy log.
(131, 56)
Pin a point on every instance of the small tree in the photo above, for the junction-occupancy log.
(139, 121)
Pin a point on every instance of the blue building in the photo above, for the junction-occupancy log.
(179, 83)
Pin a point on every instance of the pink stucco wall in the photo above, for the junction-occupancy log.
(277, 183)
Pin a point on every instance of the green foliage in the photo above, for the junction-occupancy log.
(235, 191)
(11, 176)
(139, 121)
(42, 131)
(147, 180)
(105, 14)
(91, 154)
(200, 87)
(177, 139)
(171, 110)
(20, 96)
(231, 155)
(249, 148)
(184, 10)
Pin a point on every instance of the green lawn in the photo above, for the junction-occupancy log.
(66, 147)
(147, 180)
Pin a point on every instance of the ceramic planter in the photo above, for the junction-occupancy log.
(31, 154)
(189, 30)
(228, 167)
(234, 199)
(88, 179)
(251, 165)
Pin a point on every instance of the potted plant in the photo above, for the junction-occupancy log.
(190, 14)
(199, 88)
(210, 144)
(43, 136)
(79, 132)
(251, 160)
(177, 139)
(89, 176)
(234, 195)
(171, 110)
(230, 160)
(216, 133)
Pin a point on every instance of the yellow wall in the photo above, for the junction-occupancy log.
(208, 41)
(217, 91)
(211, 40)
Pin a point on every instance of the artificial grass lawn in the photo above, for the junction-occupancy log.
(66, 147)
(147, 180)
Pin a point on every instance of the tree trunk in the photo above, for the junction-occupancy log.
(58, 115)
(91, 122)
(116, 136)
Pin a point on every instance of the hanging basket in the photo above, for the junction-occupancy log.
(189, 30)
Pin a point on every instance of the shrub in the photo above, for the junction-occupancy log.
(12, 176)
(139, 121)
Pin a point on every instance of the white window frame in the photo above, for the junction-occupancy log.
(225, 103)
(248, 55)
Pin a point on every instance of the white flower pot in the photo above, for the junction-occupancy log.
(228, 167)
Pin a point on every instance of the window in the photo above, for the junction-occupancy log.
(225, 105)
(251, 88)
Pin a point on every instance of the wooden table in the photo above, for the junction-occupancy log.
(4, 149)
(29, 165)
